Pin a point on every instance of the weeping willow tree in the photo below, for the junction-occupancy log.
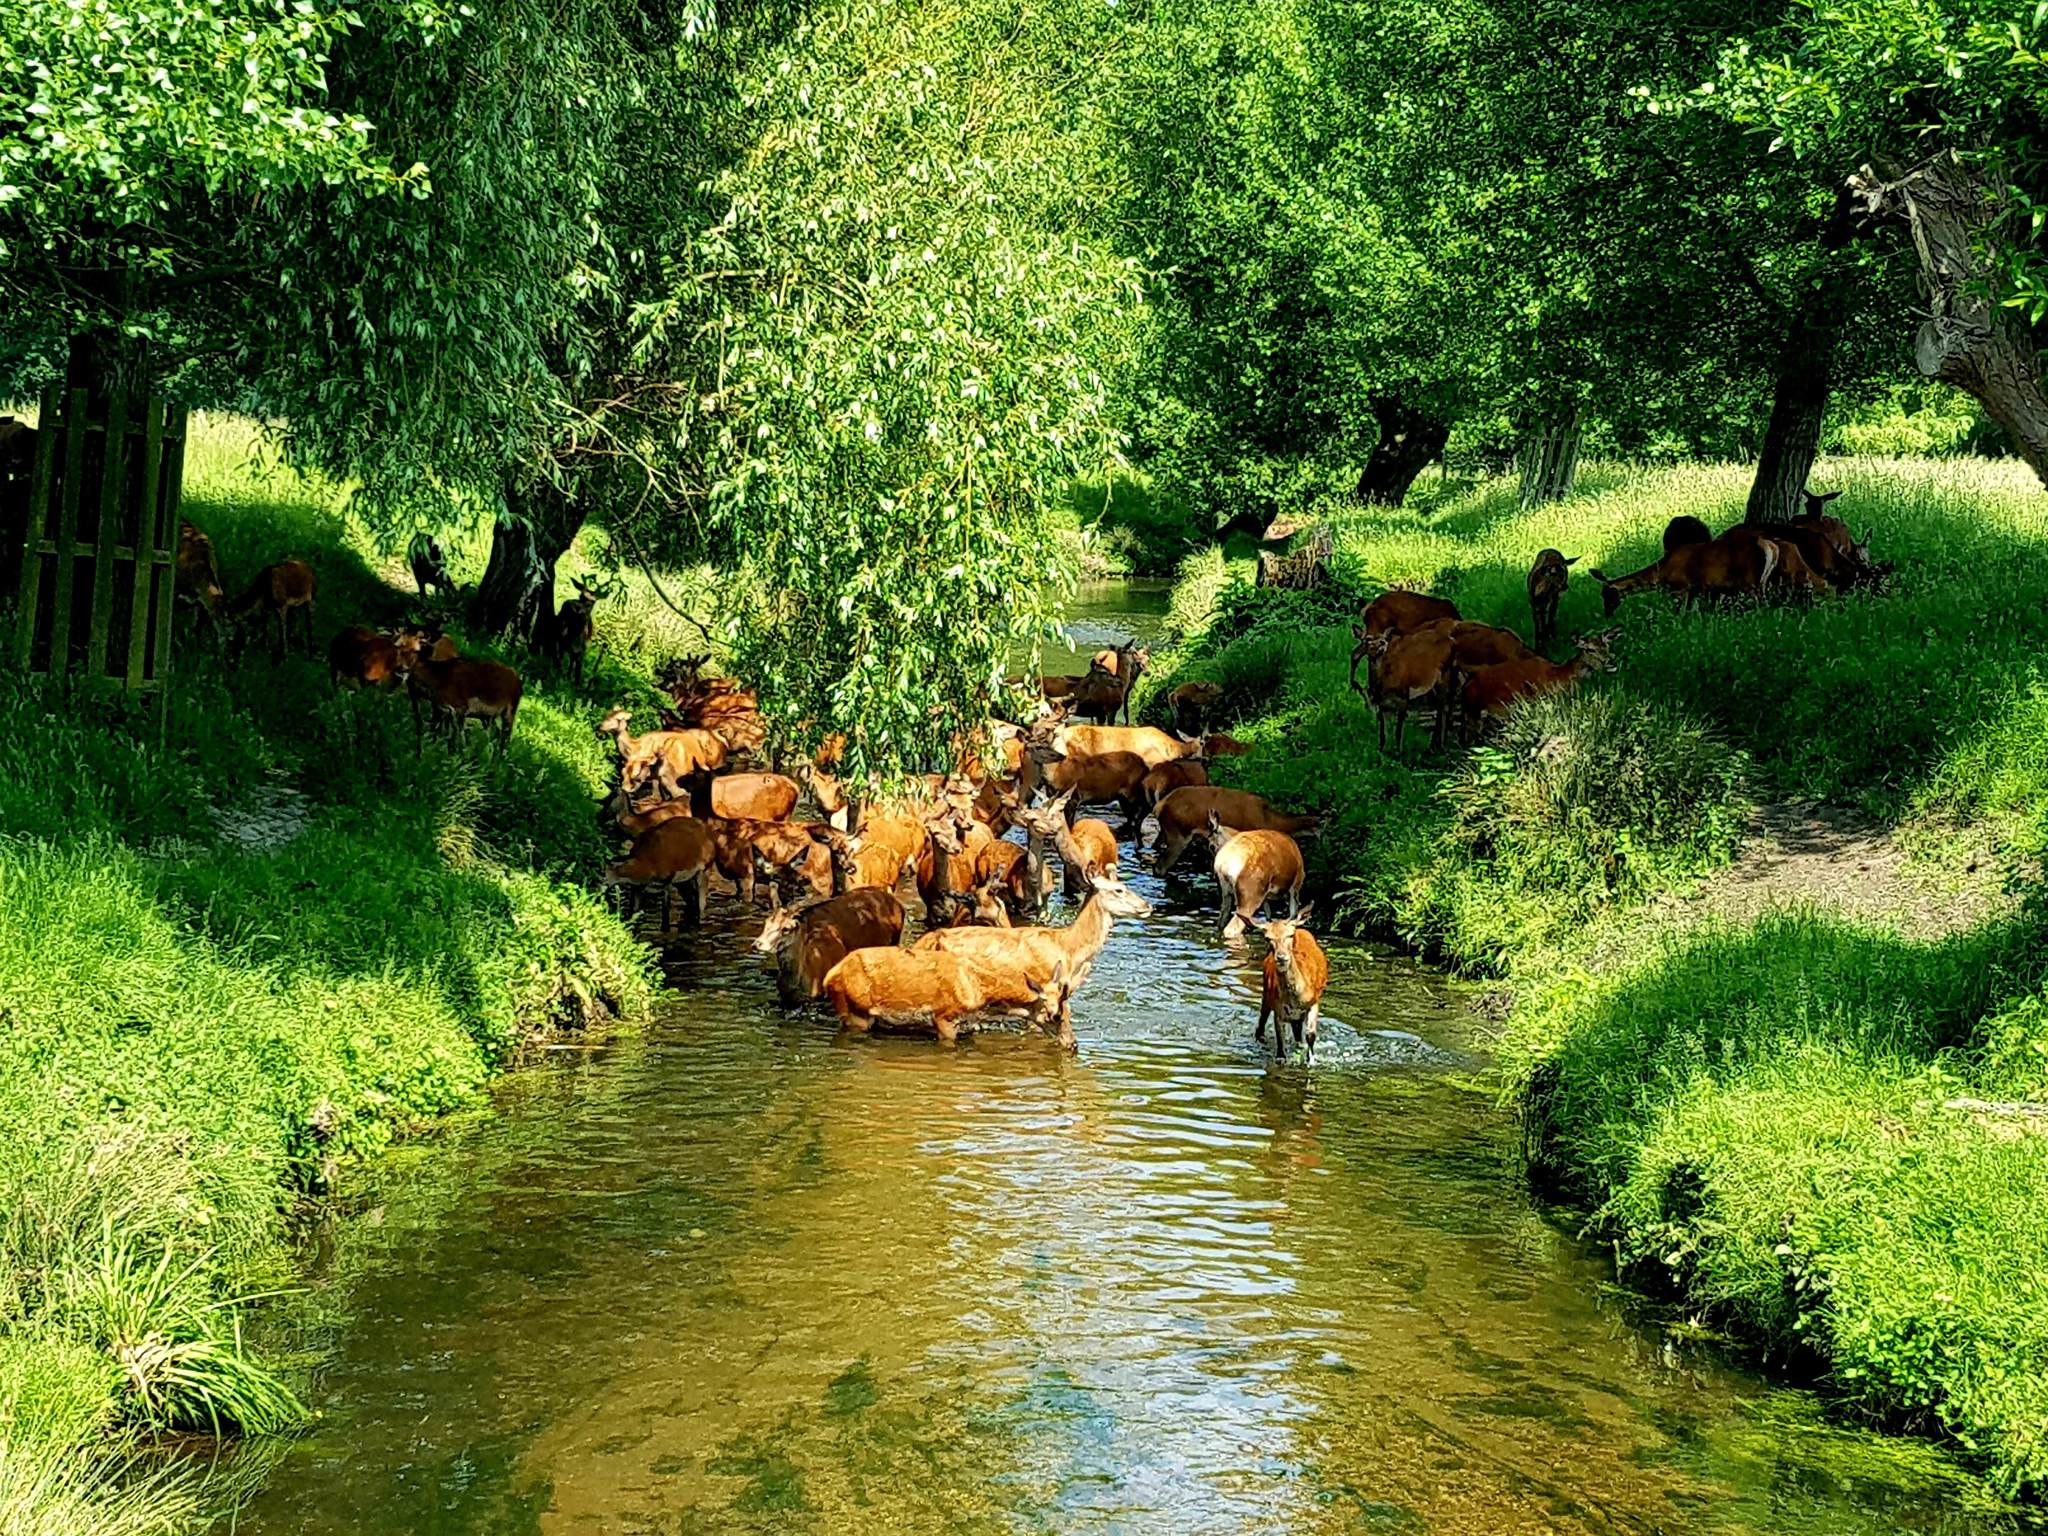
(887, 353)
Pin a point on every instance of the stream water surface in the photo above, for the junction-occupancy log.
(737, 1275)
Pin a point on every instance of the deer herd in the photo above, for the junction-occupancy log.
(701, 794)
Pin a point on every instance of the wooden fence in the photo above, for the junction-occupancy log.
(91, 539)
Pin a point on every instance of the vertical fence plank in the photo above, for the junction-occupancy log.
(38, 521)
(66, 533)
(113, 494)
(148, 516)
(170, 486)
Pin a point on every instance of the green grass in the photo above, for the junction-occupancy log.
(1752, 1113)
(246, 944)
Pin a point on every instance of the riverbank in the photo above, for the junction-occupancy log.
(246, 945)
(1775, 1109)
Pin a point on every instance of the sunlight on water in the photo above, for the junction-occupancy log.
(739, 1276)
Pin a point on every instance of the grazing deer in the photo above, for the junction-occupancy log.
(1021, 958)
(429, 570)
(1549, 578)
(1737, 562)
(920, 990)
(1082, 845)
(1192, 705)
(1685, 529)
(676, 853)
(808, 941)
(279, 591)
(1146, 741)
(567, 634)
(1251, 867)
(1297, 971)
(457, 690)
(1489, 691)
(669, 760)
(197, 575)
(1184, 814)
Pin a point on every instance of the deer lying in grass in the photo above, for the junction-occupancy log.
(808, 941)
(1184, 815)
(1297, 971)
(1013, 960)
(1549, 578)
(666, 761)
(1489, 691)
(676, 853)
(456, 690)
(1251, 868)
(919, 990)
(278, 592)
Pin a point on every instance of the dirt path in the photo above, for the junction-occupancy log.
(1804, 854)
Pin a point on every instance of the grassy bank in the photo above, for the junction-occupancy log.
(1774, 1110)
(244, 944)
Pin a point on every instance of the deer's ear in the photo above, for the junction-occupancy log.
(1572, 560)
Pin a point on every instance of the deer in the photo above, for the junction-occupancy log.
(279, 591)
(1185, 813)
(1061, 687)
(1220, 744)
(669, 760)
(567, 633)
(1296, 972)
(364, 658)
(1737, 562)
(1411, 669)
(944, 867)
(1193, 703)
(1824, 543)
(918, 990)
(1167, 777)
(1489, 691)
(675, 853)
(807, 941)
(1092, 780)
(1685, 529)
(196, 579)
(754, 796)
(429, 570)
(1549, 578)
(859, 865)
(1025, 957)
(982, 905)
(458, 689)
(1083, 844)
(1251, 867)
(1395, 612)
(1126, 664)
(1011, 869)
(739, 849)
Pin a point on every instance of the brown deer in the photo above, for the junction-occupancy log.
(1297, 971)
(1251, 868)
(740, 849)
(1184, 815)
(669, 761)
(1412, 669)
(1094, 780)
(1025, 957)
(197, 575)
(1126, 664)
(676, 853)
(1193, 704)
(1167, 777)
(1395, 612)
(1082, 845)
(1146, 741)
(566, 634)
(1549, 578)
(1009, 868)
(754, 796)
(364, 658)
(808, 941)
(456, 690)
(1738, 562)
(1686, 529)
(919, 990)
(1489, 691)
(279, 591)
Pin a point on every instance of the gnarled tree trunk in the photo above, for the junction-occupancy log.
(1799, 401)
(518, 590)
(1409, 440)
(1968, 339)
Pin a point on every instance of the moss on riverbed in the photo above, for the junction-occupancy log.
(234, 957)
(1750, 1087)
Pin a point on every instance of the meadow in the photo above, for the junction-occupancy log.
(250, 939)
(1812, 1131)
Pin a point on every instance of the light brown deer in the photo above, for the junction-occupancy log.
(1093, 780)
(1082, 844)
(1549, 578)
(1412, 669)
(1738, 563)
(1489, 691)
(197, 575)
(1297, 971)
(808, 941)
(278, 592)
(1146, 741)
(1251, 868)
(1184, 815)
(666, 761)
(456, 690)
(920, 990)
(1395, 612)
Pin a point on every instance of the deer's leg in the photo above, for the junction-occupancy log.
(1265, 1012)
(1307, 1035)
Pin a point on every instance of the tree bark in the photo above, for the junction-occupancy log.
(1550, 460)
(1409, 440)
(1968, 339)
(530, 536)
(1799, 402)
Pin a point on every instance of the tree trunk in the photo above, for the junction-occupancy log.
(1409, 440)
(1550, 460)
(104, 363)
(1799, 402)
(1968, 339)
(530, 536)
